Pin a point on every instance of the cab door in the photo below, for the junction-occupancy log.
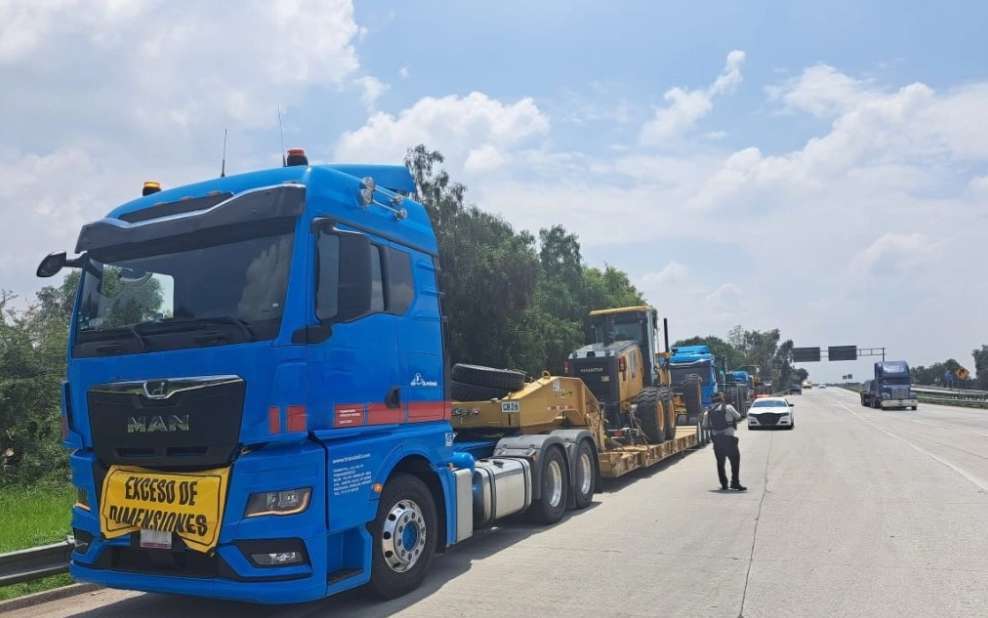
(353, 372)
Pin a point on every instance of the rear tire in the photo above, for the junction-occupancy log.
(585, 483)
(502, 379)
(405, 534)
(651, 415)
(555, 485)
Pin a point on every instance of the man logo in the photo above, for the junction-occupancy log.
(163, 424)
(156, 389)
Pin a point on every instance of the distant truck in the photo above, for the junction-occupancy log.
(694, 381)
(890, 388)
(739, 388)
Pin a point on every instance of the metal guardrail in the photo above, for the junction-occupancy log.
(968, 398)
(26, 565)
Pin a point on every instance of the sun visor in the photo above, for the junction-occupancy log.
(283, 202)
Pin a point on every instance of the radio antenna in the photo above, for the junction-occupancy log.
(223, 164)
(281, 128)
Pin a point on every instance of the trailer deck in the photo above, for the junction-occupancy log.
(620, 461)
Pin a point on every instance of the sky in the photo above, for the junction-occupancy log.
(821, 168)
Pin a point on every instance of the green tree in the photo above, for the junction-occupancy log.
(981, 366)
(32, 366)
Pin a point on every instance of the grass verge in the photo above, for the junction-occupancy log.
(31, 516)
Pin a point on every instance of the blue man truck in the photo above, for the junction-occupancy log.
(257, 404)
(890, 388)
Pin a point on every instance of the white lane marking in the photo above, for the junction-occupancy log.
(979, 483)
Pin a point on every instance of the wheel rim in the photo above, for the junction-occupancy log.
(404, 536)
(586, 473)
(555, 474)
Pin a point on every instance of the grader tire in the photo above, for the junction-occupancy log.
(651, 415)
(670, 416)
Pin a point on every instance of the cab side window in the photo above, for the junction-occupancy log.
(327, 275)
(401, 286)
(377, 281)
(392, 286)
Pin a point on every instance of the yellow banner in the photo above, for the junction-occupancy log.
(188, 504)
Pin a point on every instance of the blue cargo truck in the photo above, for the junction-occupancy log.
(695, 380)
(256, 396)
(890, 388)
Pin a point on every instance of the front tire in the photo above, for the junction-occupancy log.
(651, 415)
(405, 533)
(551, 506)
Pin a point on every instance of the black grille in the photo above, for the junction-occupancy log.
(193, 422)
(769, 418)
(184, 562)
(600, 376)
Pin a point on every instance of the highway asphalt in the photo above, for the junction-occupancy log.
(856, 512)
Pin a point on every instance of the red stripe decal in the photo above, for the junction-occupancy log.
(380, 414)
(348, 415)
(420, 411)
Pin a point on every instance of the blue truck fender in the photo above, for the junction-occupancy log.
(438, 479)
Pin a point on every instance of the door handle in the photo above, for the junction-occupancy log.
(393, 399)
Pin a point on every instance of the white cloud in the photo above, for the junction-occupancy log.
(686, 107)
(403, 72)
(893, 255)
(106, 89)
(820, 90)
(476, 129)
(371, 90)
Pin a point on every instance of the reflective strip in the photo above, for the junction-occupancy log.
(380, 414)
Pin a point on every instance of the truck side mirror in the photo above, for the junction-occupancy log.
(51, 265)
(355, 276)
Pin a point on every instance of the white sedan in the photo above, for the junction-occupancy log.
(771, 412)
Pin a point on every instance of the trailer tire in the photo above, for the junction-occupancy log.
(503, 379)
(692, 397)
(651, 415)
(460, 391)
(554, 477)
(406, 508)
(585, 483)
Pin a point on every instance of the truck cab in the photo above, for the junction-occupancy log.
(251, 361)
(695, 362)
(892, 386)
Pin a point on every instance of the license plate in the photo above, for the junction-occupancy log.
(156, 539)
(160, 504)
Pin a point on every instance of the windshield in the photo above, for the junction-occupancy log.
(679, 374)
(769, 403)
(221, 293)
(622, 328)
(901, 381)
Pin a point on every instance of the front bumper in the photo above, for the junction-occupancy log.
(336, 560)
(898, 403)
(782, 421)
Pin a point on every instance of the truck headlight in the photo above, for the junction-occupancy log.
(287, 502)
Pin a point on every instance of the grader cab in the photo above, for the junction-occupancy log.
(622, 367)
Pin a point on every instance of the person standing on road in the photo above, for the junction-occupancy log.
(722, 420)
